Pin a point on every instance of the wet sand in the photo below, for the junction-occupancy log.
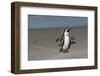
(42, 44)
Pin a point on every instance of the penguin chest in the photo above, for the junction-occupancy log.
(66, 42)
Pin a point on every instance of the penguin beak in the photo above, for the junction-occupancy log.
(68, 29)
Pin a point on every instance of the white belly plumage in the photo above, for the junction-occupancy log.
(66, 42)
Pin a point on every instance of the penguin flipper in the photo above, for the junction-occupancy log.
(61, 39)
(59, 45)
(72, 38)
(57, 39)
(73, 42)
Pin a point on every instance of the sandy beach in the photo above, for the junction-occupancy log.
(42, 44)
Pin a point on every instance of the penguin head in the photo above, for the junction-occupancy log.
(66, 31)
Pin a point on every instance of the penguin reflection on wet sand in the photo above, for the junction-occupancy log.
(65, 41)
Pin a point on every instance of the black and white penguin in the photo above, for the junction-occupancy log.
(66, 41)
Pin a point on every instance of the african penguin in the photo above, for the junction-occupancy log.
(65, 41)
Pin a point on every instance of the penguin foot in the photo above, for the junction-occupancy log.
(60, 50)
(65, 51)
